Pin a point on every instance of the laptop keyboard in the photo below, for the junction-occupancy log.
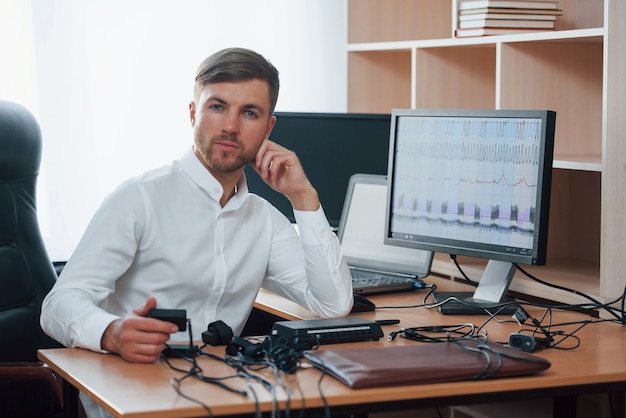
(377, 279)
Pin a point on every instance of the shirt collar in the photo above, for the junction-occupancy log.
(205, 180)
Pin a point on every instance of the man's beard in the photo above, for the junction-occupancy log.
(222, 161)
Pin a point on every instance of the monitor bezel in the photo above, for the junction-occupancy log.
(538, 254)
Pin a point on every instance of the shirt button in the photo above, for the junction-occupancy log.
(219, 251)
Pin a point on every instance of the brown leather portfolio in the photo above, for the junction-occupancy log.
(424, 363)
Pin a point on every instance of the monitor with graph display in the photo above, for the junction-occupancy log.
(474, 183)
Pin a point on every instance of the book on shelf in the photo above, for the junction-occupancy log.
(512, 11)
(483, 16)
(466, 33)
(506, 23)
(520, 4)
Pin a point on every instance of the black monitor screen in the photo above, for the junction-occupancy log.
(331, 147)
(471, 182)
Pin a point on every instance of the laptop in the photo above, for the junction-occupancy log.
(376, 267)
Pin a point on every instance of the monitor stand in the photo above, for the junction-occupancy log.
(488, 295)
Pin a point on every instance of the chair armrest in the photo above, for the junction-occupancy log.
(36, 371)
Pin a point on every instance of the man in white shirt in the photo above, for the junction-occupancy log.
(190, 236)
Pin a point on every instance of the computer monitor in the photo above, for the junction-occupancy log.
(331, 147)
(474, 183)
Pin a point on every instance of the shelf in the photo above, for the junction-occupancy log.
(592, 35)
(579, 162)
(406, 56)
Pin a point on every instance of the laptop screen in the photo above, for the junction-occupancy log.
(362, 226)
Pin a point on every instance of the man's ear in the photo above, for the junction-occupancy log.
(192, 112)
(270, 126)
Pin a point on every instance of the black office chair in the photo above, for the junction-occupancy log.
(28, 388)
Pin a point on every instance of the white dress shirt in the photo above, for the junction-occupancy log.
(164, 234)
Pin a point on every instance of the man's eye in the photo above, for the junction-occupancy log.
(216, 107)
(250, 114)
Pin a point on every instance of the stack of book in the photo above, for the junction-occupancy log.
(499, 17)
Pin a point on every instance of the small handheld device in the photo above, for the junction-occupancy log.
(177, 317)
(522, 342)
(527, 342)
(181, 350)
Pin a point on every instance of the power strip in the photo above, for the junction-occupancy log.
(328, 331)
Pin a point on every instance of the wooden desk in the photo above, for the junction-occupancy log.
(139, 390)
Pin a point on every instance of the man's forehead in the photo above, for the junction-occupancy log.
(253, 91)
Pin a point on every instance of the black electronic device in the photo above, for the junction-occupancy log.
(362, 304)
(473, 183)
(522, 342)
(177, 317)
(181, 350)
(331, 147)
(328, 331)
(217, 333)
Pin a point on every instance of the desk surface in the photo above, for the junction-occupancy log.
(140, 390)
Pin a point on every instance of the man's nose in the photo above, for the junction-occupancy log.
(231, 122)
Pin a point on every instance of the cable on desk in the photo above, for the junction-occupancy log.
(432, 287)
(281, 355)
(485, 348)
(176, 385)
(623, 300)
(196, 371)
(484, 373)
(439, 333)
(239, 365)
(553, 339)
(618, 314)
(605, 306)
(321, 365)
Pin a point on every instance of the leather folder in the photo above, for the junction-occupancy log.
(424, 363)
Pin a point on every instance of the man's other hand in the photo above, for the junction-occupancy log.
(137, 338)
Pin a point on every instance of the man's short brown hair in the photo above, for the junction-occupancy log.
(237, 64)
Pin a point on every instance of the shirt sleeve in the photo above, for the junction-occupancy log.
(73, 311)
(318, 278)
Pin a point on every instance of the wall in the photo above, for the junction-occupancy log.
(110, 83)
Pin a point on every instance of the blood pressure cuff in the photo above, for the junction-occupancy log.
(424, 363)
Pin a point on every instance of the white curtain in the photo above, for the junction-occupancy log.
(110, 81)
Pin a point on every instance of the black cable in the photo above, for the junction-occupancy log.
(576, 292)
(285, 388)
(197, 372)
(554, 339)
(257, 404)
(238, 364)
(486, 307)
(566, 336)
(176, 385)
(484, 373)
(484, 348)
(320, 364)
(285, 354)
(458, 266)
(446, 333)
(596, 304)
(302, 397)
(432, 287)
(511, 356)
(623, 300)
